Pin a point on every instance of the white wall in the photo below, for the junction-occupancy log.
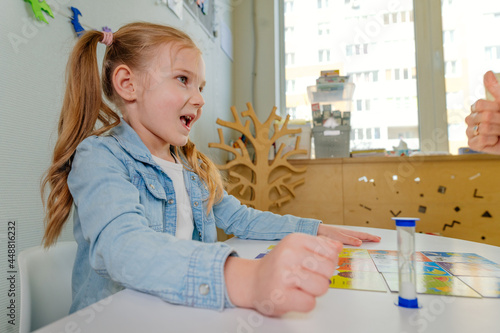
(32, 62)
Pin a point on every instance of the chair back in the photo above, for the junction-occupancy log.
(45, 277)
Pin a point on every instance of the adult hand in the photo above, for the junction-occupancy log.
(483, 124)
(346, 236)
(288, 278)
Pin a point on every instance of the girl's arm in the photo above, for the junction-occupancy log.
(289, 278)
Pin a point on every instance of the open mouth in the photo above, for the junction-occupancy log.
(187, 120)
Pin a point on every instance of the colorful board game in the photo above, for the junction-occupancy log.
(438, 273)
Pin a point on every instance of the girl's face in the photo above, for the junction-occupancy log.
(169, 99)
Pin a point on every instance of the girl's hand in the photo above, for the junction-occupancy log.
(483, 124)
(346, 236)
(289, 278)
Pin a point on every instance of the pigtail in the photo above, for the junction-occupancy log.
(83, 106)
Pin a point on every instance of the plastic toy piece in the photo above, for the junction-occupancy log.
(75, 20)
(38, 7)
(442, 189)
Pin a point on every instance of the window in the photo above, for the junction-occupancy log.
(450, 68)
(323, 29)
(288, 6)
(492, 52)
(324, 55)
(289, 59)
(322, 4)
(292, 112)
(289, 33)
(290, 86)
(448, 37)
(370, 31)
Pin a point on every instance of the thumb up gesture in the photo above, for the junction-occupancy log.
(483, 123)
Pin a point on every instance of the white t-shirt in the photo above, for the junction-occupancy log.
(185, 224)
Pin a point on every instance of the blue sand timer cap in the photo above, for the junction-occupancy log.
(405, 221)
(408, 303)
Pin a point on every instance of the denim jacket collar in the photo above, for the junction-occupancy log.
(130, 141)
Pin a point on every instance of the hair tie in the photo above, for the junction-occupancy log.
(107, 38)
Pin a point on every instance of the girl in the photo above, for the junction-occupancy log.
(147, 202)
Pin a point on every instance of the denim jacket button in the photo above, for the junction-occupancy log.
(152, 186)
(171, 201)
(196, 203)
(193, 178)
(204, 289)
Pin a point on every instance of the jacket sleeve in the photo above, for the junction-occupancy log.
(248, 223)
(123, 247)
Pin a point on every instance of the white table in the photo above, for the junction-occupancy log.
(337, 311)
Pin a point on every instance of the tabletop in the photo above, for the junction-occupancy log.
(339, 310)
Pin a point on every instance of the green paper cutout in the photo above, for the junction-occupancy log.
(38, 7)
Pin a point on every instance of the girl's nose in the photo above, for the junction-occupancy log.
(197, 99)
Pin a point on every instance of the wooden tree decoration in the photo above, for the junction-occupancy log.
(259, 181)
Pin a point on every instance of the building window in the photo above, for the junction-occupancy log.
(492, 52)
(368, 133)
(450, 68)
(292, 112)
(324, 55)
(323, 29)
(448, 37)
(348, 50)
(290, 86)
(322, 4)
(359, 104)
(289, 59)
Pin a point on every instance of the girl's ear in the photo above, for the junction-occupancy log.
(125, 83)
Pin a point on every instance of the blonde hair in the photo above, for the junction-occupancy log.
(85, 113)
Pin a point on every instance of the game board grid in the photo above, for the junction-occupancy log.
(438, 273)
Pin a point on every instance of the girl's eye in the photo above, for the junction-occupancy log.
(201, 89)
(182, 79)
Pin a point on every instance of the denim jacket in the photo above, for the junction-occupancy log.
(125, 220)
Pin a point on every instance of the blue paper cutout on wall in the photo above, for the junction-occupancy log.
(75, 20)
